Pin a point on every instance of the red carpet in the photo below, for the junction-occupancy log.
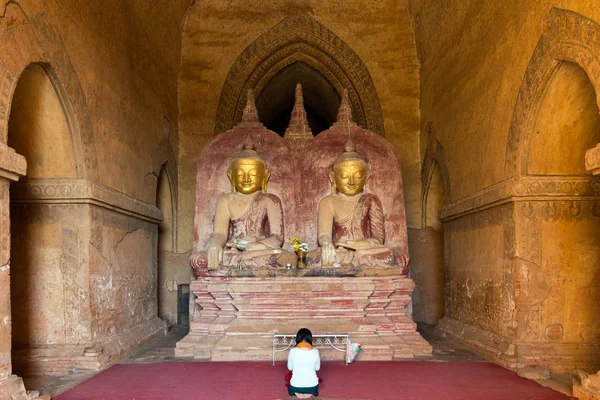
(259, 380)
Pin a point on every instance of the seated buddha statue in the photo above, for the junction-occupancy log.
(351, 229)
(248, 223)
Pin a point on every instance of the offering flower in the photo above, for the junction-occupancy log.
(297, 245)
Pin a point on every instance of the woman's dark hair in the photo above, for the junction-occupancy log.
(304, 335)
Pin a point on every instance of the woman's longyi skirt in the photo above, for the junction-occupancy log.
(292, 390)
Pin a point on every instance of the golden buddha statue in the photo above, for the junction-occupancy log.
(248, 224)
(351, 227)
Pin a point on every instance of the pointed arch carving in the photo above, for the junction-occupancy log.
(299, 38)
(434, 155)
(28, 40)
(567, 36)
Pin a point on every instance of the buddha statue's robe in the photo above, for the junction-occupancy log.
(365, 222)
(262, 221)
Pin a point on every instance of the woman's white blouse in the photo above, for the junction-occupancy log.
(304, 364)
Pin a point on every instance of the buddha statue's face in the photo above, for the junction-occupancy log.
(248, 176)
(350, 177)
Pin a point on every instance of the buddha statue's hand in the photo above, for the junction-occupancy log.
(327, 254)
(215, 256)
(402, 258)
(198, 260)
(356, 244)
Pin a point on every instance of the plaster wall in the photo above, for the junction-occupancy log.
(123, 275)
(5, 325)
(216, 33)
(49, 246)
(559, 327)
(479, 277)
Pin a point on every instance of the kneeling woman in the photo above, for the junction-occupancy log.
(304, 362)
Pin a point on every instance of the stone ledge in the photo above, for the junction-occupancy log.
(62, 360)
(116, 346)
(487, 344)
(12, 165)
(527, 188)
(82, 191)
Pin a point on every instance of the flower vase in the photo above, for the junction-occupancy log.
(301, 259)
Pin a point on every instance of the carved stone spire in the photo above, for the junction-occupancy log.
(344, 117)
(250, 115)
(349, 153)
(298, 127)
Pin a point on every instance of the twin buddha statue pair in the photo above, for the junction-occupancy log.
(249, 225)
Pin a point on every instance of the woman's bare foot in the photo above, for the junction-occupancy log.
(304, 395)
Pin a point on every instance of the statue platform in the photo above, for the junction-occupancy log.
(240, 315)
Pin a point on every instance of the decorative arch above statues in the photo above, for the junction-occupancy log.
(299, 39)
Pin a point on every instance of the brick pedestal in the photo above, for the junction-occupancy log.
(240, 315)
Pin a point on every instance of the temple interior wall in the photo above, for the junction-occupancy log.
(91, 94)
(59, 313)
(511, 298)
(471, 73)
(560, 326)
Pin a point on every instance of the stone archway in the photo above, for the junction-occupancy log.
(28, 40)
(25, 41)
(569, 37)
(45, 237)
(434, 157)
(556, 238)
(300, 40)
(428, 270)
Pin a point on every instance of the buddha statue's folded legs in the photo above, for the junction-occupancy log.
(375, 257)
(270, 258)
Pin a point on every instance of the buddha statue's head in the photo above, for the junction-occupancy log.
(350, 171)
(248, 172)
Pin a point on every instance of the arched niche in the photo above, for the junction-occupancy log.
(165, 203)
(46, 302)
(434, 199)
(167, 291)
(38, 127)
(428, 268)
(31, 41)
(300, 49)
(556, 118)
(567, 125)
(568, 37)
(276, 100)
